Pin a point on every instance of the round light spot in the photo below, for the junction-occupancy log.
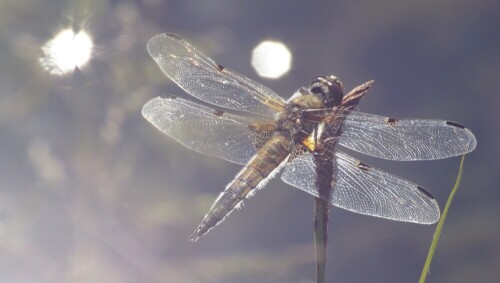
(66, 51)
(271, 59)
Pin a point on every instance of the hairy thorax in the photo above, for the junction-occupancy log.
(291, 121)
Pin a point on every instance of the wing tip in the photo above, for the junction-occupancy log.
(165, 34)
(436, 214)
(156, 39)
(147, 110)
(472, 141)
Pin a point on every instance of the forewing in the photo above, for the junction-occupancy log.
(203, 129)
(366, 190)
(405, 139)
(209, 81)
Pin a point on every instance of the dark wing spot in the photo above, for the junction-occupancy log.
(173, 35)
(422, 190)
(455, 124)
(363, 166)
(219, 67)
(168, 96)
(391, 121)
(218, 113)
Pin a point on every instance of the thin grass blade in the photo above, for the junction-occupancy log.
(437, 233)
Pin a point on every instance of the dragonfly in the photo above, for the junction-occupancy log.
(302, 137)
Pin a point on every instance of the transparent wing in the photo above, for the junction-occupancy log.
(209, 81)
(203, 129)
(405, 139)
(366, 190)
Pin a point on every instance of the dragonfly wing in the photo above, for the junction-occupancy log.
(300, 172)
(203, 129)
(405, 139)
(209, 81)
(366, 190)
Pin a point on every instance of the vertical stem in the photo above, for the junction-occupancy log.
(437, 233)
(325, 173)
(320, 237)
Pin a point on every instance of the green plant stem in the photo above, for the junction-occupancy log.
(439, 227)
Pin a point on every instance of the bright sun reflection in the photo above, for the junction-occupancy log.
(271, 59)
(66, 51)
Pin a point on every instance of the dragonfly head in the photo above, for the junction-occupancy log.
(329, 88)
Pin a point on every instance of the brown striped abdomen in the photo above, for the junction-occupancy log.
(267, 159)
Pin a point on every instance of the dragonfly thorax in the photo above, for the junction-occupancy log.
(291, 120)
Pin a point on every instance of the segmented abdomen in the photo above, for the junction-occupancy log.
(254, 175)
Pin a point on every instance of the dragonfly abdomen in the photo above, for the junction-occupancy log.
(254, 175)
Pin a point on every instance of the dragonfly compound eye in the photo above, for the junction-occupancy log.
(330, 88)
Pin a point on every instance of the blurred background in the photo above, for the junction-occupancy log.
(91, 192)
